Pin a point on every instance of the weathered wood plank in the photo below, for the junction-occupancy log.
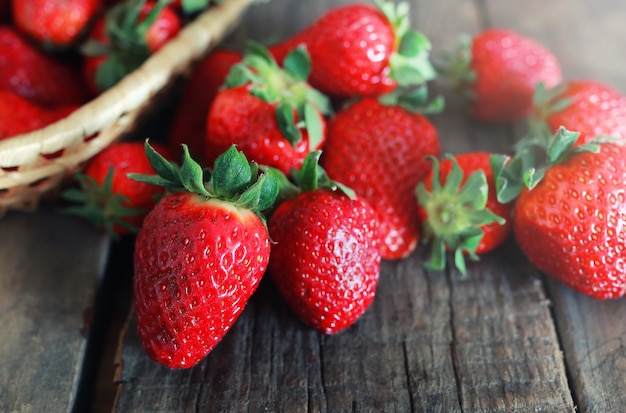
(592, 333)
(430, 342)
(50, 266)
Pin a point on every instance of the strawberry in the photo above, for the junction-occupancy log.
(325, 261)
(498, 70)
(459, 210)
(18, 115)
(588, 107)
(200, 255)
(272, 115)
(190, 118)
(362, 50)
(379, 150)
(43, 79)
(107, 197)
(57, 23)
(572, 223)
(124, 38)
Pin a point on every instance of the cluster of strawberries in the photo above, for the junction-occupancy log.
(318, 161)
(57, 55)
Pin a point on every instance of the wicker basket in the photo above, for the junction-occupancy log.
(34, 166)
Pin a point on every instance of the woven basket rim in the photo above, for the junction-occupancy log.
(129, 95)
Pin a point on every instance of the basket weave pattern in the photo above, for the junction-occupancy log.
(35, 165)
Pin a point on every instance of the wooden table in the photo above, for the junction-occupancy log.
(504, 339)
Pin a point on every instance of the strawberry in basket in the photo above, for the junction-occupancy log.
(18, 115)
(41, 78)
(124, 38)
(57, 24)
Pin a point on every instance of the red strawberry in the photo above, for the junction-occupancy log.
(326, 265)
(498, 69)
(189, 122)
(585, 106)
(41, 78)
(362, 50)
(60, 23)
(572, 224)
(124, 38)
(272, 115)
(108, 198)
(379, 151)
(18, 115)
(459, 209)
(200, 256)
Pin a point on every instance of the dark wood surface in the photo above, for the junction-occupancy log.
(504, 339)
(50, 269)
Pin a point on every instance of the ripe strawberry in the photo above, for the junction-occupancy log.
(459, 210)
(572, 224)
(585, 106)
(379, 151)
(326, 265)
(362, 50)
(41, 78)
(54, 22)
(124, 38)
(498, 70)
(18, 115)
(189, 122)
(199, 255)
(272, 115)
(108, 198)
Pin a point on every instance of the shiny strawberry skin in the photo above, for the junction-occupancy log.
(18, 115)
(572, 225)
(595, 109)
(495, 233)
(43, 79)
(197, 262)
(164, 28)
(54, 22)
(379, 151)
(350, 47)
(325, 259)
(507, 67)
(237, 117)
(124, 158)
(189, 122)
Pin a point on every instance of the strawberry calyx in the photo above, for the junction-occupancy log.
(413, 99)
(190, 7)
(455, 214)
(99, 205)
(456, 68)
(546, 102)
(233, 179)
(410, 62)
(533, 157)
(298, 105)
(309, 177)
(127, 48)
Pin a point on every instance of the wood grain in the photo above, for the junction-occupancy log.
(51, 265)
